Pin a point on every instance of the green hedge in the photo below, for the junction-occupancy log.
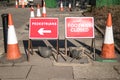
(51, 3)
(100, 3)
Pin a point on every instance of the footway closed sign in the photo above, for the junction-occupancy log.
(79, 27)
(43, 28)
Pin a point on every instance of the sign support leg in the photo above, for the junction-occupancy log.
(29, 47)
(28, 50)
(65, 46)
(58, 53)
(57, 48)
(93, 49)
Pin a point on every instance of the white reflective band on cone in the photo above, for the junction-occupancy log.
(109, 36)
(12, 39)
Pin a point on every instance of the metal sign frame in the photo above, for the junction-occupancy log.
(92, 51)
(30, 46)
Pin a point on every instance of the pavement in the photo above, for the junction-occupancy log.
(39, 68)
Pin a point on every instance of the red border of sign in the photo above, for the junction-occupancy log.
(79, 37)
(44, 37)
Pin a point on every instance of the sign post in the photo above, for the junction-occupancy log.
(42, 28)
(78, 27)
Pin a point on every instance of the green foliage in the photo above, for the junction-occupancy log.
(101, 3)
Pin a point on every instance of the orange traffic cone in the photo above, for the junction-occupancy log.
(44, 10)
(23, 5)
(108, 50)
(38, 11)
(13, 51)
(16, 3)
(61, 6)
(32, 12)
(70, 8)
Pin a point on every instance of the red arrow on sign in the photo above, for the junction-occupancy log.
(41, 31)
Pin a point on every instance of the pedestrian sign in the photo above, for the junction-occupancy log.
(43, 28)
